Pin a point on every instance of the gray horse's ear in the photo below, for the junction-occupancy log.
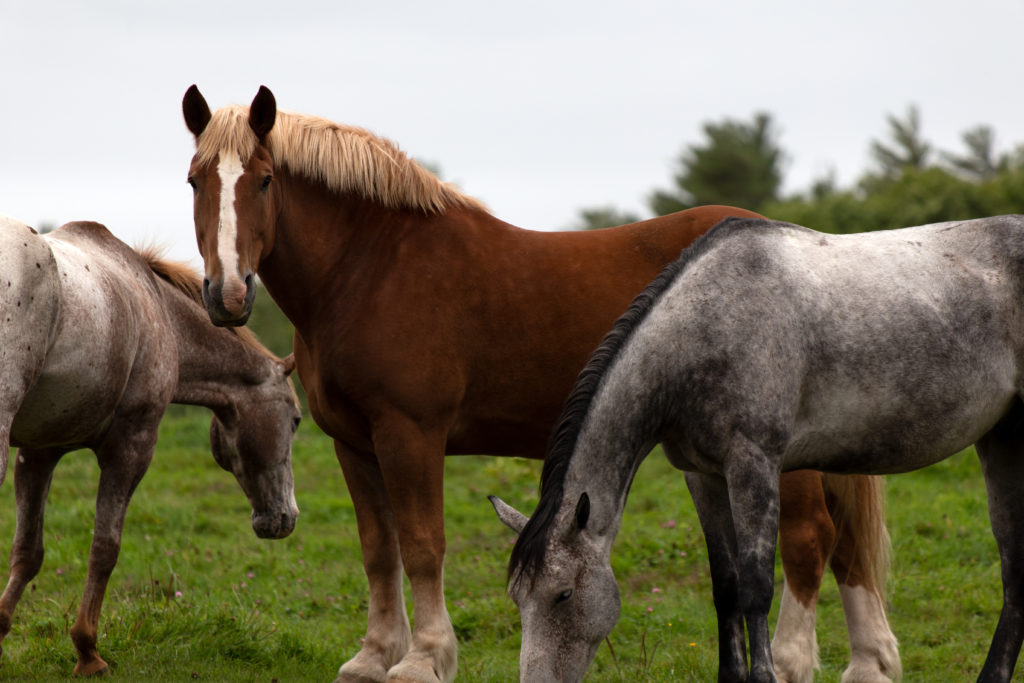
(196, 111)
(510, 517)
(582, 511)
(289, 364)
(262, 113)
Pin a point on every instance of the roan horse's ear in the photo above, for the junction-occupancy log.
(289, 364)
(262, 113)
(512, 518)
(197, 112)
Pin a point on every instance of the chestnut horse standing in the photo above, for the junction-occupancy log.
(425, 326)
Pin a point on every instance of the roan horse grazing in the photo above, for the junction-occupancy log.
(425, 326)
(97, 340)
(884, 352)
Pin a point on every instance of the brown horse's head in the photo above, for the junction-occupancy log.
(231, 176)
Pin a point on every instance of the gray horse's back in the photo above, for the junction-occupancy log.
(875, 348)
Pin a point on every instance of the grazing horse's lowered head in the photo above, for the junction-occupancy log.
(252, 440)
(563, 629)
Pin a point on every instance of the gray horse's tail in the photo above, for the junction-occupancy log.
(857, 506)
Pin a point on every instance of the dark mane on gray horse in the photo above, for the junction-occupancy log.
(531, 545)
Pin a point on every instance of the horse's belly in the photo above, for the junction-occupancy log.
(886, 442)
(65, 409)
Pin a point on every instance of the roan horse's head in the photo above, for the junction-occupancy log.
(569, 604)
(252, 439)
(234, 205)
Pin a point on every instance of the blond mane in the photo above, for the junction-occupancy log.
(345, 158)
(183, 278)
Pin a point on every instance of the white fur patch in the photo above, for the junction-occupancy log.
(230, 170)
(795, 645)
(873, 650)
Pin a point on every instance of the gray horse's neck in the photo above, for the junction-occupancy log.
(616, 436)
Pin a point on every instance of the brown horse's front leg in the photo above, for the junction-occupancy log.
(122, 465)
(412, 464)
(806, 536)
(387, 633)
(33, 472)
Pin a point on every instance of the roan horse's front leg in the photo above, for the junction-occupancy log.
(123, 461)
(33, 472)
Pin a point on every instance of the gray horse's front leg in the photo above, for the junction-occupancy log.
(753, 483)
(711, 499)
(123, 462)
(33, 472)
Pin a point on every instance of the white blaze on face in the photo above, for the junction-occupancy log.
(230, 170)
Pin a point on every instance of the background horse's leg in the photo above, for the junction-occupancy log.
(1001, 452)
(123, 460)
(412, 463)
(33, 472)
(711, 499)
(806, 536)
(860, 562)
(387, 633)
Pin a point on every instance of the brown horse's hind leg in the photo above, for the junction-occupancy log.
(387, 633)
(123, 462)
(33, 472)
(860, 562)
(806, 536)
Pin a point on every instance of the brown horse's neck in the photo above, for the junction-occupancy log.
(328, 246)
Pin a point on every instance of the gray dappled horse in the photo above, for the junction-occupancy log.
(769, 347)
(97, 340)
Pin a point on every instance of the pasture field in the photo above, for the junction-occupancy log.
(196, 596)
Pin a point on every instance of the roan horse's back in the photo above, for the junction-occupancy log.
(101, 327)
(913, 320)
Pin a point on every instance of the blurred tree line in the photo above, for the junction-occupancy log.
(910, 183)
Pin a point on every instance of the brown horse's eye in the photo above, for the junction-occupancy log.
(266, 182)
(192, 182)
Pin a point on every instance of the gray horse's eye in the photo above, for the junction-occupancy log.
(563, 596)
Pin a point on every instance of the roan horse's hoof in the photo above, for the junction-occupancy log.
(96, 667)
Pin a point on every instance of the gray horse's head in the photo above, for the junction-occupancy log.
(253, 440)
(569, 603)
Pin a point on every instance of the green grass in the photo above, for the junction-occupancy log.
(196, 596)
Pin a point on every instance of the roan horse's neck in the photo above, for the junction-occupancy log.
(214, 364)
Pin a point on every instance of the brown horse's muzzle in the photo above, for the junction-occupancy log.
(229, 305)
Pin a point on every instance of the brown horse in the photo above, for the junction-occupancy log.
(98, 339)
(425, 326)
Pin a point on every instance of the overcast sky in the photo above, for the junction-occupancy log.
(537, 108)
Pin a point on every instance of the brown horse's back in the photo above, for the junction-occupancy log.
(558, 293)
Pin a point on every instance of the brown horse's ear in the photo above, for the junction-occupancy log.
(262, 113)
(197, 112)
(289, 364)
